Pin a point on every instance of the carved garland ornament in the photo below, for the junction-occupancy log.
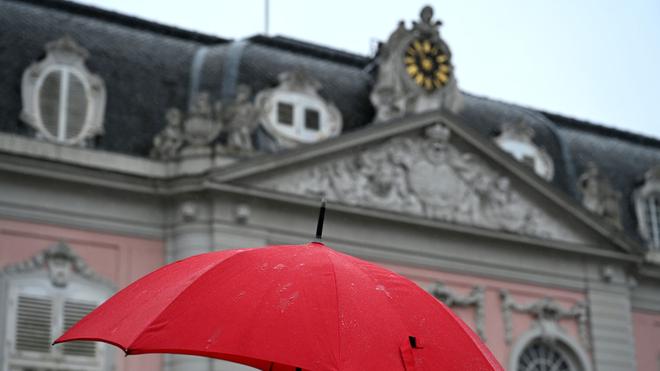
(547, 313)
(474, 299)
(424, 176)
(60, 261)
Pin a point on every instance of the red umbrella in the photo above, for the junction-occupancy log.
(286, 308)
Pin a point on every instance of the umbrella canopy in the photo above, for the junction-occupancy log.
(286, 308)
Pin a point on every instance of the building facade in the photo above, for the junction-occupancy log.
(126, 144)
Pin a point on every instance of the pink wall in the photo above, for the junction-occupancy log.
(494, 328)
(118, 258)
(647, 340)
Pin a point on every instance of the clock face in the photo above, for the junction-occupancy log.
(427, 64)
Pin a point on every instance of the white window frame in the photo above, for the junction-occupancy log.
(564, 344)
(35, 278)
(642, 199)
(66, 57)
(65, 72)
(300, 91)
(56, 359)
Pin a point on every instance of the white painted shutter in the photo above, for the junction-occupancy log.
(74, 311)
(33, 324)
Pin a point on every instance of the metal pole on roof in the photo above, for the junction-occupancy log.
(266, 15)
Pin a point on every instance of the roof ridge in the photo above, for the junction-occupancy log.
(308, 48)
(563, 121)
(125, 20)
(612, 132)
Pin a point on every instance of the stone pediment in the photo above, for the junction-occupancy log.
(426, 174)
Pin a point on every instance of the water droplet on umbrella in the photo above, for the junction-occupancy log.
(384, 290)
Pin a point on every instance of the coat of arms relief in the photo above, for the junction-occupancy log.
(423, 175)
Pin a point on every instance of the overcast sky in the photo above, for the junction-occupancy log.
(597, 60)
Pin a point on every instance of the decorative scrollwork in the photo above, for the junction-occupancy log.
(60, 261)
(544, 311)
(474, 299)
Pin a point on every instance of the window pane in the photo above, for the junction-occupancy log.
(540, 357)
(49, 101)
(312, 119)
(285, 113)
(33, 324)
(76, 107)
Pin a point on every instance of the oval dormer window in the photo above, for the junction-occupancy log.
(300, 120)
(295, 113)
(62, 100)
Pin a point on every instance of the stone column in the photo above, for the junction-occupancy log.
(610, 318)
(189, 233)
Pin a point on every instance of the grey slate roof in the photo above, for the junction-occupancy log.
(148, 67)
(145, 67)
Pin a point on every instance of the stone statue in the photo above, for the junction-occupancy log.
(427, 26)
(242, 118)
(397, 92)
(203, 123)
(598, 195)
(167, 143)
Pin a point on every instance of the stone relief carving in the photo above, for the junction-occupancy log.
(395, 92)
(598, 195)
(203, 124)
(423, 175)
(242, 119)
(474, 299)
(546, 312)
(516, 139)
(60, 261)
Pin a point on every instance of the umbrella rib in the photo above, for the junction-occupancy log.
(334, 279)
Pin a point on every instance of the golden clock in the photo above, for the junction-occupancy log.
(427, 63)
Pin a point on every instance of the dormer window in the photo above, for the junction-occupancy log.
(517, 141)
(647, 205)
(62, 100)
(295, 113)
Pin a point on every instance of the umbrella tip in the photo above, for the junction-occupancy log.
(319, 224)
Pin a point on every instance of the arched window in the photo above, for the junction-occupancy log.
(62, 100)
(540, 356)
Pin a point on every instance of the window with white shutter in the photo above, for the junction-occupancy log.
(39, 300)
